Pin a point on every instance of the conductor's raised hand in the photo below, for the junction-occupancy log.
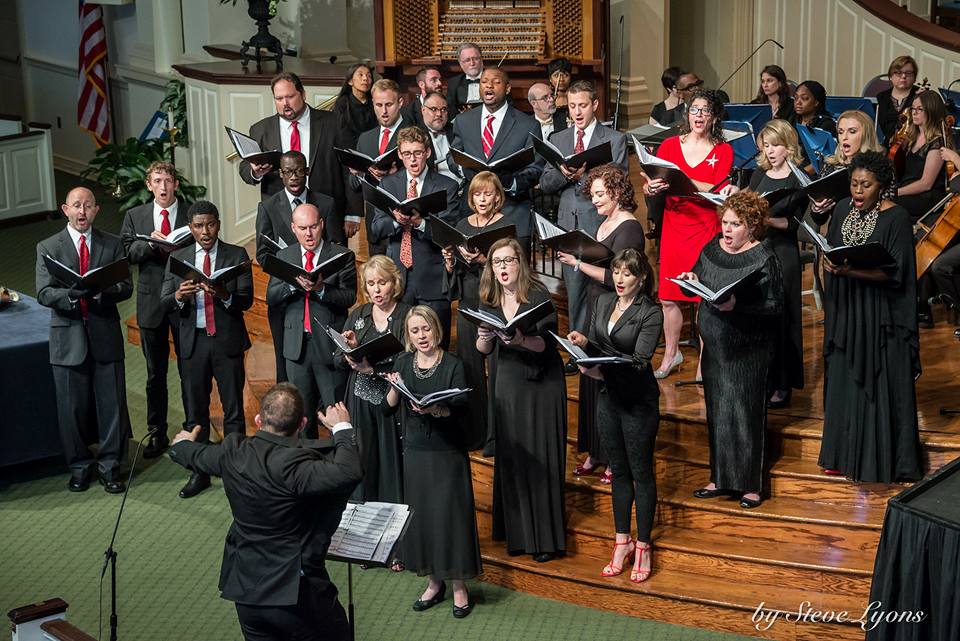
(335, 414)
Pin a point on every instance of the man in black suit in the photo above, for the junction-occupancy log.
(387, 104)
(428, 79)
(463, 90)
(213, 336)
(156, 219)
(541, 98)
(409, 243)
(435, 122)
(274, 221)
(287, 496)
(86, 344)
(306, 347)
(495, 131)
(314, 133)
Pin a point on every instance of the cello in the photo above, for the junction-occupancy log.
(932, 240)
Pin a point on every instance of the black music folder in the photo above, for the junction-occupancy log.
(834, 186)
(576, 243)
(523, 321)
(590, 356)
(427, 399)
(379, 349)
(866, 256)
(592, 157)
(179, 237)
(512, 163)
(95, 280)
(288, 272)
(680, 183)
(361, 162)
(445, 235)
(719, 296)
(249, 149)
(215, 280)
(425, 205)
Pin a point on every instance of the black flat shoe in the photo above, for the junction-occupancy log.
(779, 405)
(704, 493)
(156, 446)
(79, 483)
(749, 504)
(420, 606)
(570, 368)
(197, 483)
(462, 612)
(925, 320)
(543, 557)
(112, 486)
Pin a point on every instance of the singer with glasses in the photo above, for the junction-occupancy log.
(668, 111)
(894, 101)
(688, 223)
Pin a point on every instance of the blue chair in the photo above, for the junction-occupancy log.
(817, 143)
(745, 147)
(836, 105)
(756, 115)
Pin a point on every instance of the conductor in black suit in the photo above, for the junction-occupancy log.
(274, 220)
(86, 344)
(156, 219)
(387, 105)
(463, 90)
(298, 126)
(409, 243)
(495, 131)
(307, 348)
(287, 496)
(213, 336)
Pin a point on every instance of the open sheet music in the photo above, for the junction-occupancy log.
(576, 243)
(512, 163)
(592, 157)
(772, 197)
(445, 235)
(369, 532)
(427, 399)
(361, 162)
(275, 245)
(376, 350)
(524, 320)
(864, 256)
(581, 357)
(96, 279)
(177, 238)
(288, 272)
(697, 288)
(432, 203)
(215, 280)
(680, 183)
(249, 149)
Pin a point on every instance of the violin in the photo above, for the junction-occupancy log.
(898, 152)
(932, 240)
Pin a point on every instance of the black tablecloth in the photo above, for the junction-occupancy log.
(917, 568)
(28, 407)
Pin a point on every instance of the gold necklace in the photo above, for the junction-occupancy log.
(858, 226)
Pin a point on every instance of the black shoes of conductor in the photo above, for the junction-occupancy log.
(112, 485)
(156, 445)
(197, 483)
(79, 481)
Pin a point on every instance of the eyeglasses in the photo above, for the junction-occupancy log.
(690, 86)
(407, 155)
(701, 111)
(916, 109)
(904, 74)
(471, 59)
(504, 262)
(436, 110)
(548, 98)
(301, 172)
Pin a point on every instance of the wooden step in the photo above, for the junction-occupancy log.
(675, 597)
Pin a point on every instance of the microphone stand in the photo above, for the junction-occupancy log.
(749, 58)
(616, 109)
(110, 555)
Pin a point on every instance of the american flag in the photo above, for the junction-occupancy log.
(93, 106)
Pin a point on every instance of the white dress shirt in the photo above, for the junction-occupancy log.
(201, 296)
(392, 129)
(75, 237)
(587, 134)
(497, 120)
(171, 215)
(441, 146)
(286, 130)
(419, 187)
(546, 127)
(303, 263)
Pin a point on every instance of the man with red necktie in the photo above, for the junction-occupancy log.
(408, 238)
(86, 345)
(308, 309)
(156, 219)
(387, 102)
(213, 336)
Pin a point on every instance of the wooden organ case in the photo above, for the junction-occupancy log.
(525, 34)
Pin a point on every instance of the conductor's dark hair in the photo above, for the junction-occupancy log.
(281, 408)
(715, 103)
(202, 207)
(877, 163)
(636, 263)
(289, 77)
(670, 76)
(783, 93)
(616, 182)
(293, 154)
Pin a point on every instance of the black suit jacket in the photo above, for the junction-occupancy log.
(330, 308)
(275, 217)
(635, 336)
(447, 132)
(231, 337)
(70, 338)
(369, 143)
(152, 260)
(326, 174)
(457, 94)
(412, 112)
(287, 496)
(425, 280)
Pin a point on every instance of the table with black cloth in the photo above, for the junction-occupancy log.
(917, 568)
(28, 407)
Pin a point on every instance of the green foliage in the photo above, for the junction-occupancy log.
(273, 5)
(121, 169)
(175, 100)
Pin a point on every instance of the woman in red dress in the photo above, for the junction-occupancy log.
(688, 223)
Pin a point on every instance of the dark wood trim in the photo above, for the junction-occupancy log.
(35, 611)
(11, 117)
(63, 630)
(226, 52)
(378, 31)
(25, 134)
(26, 219)
(898, 17)
(232, 72)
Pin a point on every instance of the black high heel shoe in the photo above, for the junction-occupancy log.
(420, 606)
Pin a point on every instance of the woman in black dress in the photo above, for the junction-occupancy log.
(894, 101)
(923, 183)
(668, 112)
(485, 197)
(441, 541)
(353, 106)
(529, 409)
(870, 343)
(778, 144)
(739, 336)
(627, 323)
(775, 91)
(611, 192)
(378, 436)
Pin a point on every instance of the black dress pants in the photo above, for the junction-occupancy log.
(275, 319)
(317, 616)
(319, 382)
(155, 345)
(205, 365)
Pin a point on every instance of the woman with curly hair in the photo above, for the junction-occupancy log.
(775, 91)
(688, 223)
(871, 347)
(739, 335)
(611, 192)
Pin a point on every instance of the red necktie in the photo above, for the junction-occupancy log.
(579, 148)
(165, 223)
(295, 136)
(384, 140)
(406, 238)
(208, 300)
(488, 136)
(308, 265)
(84, 266)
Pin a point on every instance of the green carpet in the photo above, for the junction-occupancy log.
(169, 550)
